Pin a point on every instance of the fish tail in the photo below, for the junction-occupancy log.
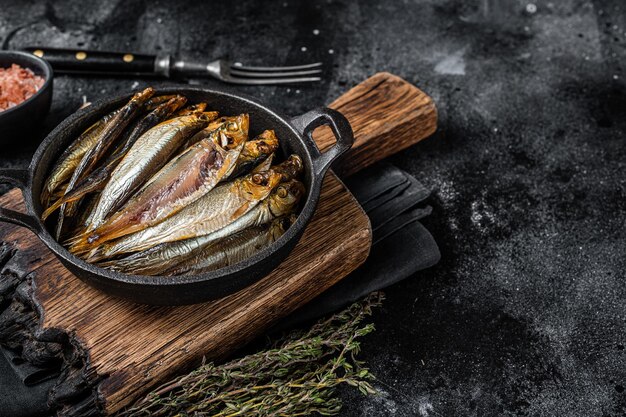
(96, 254)
(81, 244)
(52, 209)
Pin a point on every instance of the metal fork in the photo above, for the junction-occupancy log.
(236, 73)
(165, 65)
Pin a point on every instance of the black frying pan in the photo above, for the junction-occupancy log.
(295, 137)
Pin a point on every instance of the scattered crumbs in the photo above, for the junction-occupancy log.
(297, 91)
(615, 76)
(331, 51)
(531, 8)
(289, 90)
(285, 4)
(159, 20)
(424, 408)
(104, 90)
(303, 49)
(384, 400)
(237, 64)
(316, 32)
(135, 85)
(422, 360)
(453, 64)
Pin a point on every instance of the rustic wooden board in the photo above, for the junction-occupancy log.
(137, 345)
(387, 115)
(117, 350)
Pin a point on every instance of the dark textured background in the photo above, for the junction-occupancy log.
(525, 313)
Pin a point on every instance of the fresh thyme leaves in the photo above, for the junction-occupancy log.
(296, 376)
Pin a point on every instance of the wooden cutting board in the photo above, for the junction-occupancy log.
(112, 351)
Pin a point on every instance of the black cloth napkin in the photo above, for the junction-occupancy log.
(401, 246)
(23, 387)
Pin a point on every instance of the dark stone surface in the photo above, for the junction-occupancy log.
(525, 313)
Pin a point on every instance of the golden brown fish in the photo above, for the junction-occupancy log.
(180, 182)
(254, 151)
(71, 157)
(234, 248)
(222, 206)
(96, 181)
(151, 151)
(154, 261)
(108, 137)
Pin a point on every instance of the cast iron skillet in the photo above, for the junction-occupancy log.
(295, 137)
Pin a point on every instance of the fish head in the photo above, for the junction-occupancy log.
(142, 96)
(280, 225)
(193, 109)
(290, 168)
(262, 146)
(235, 131)
(257, 186)
(206, 116)
(229, 132)
(286, 197)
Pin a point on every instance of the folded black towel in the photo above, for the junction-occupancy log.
(20, 396)
(401, 246)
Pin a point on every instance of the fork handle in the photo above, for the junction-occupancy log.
(98, 62)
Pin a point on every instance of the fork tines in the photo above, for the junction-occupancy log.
(274, 75)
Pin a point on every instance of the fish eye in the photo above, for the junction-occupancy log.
(282, 192)
(259, 179)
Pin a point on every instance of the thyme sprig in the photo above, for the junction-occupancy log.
(295, 376)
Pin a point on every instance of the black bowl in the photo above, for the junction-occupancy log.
(295, 137)
(19, 121)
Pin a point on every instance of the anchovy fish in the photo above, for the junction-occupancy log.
(253, 152)
(96, 181)
(151, 151)
(180, 182)
(234, 248)
(217, 209)
(154, 261)
(117, 124)
(71, 157)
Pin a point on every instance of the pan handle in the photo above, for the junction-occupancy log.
(18, 178)
(341, 128)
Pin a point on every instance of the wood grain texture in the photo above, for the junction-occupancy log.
(116, 350)
(383, 109)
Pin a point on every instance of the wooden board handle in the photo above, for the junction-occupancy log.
(387, 115)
